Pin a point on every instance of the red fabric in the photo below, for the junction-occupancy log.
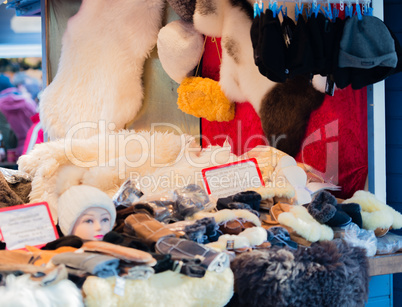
(336, 140)
(336, 137)
(244, 132)
(35, 120)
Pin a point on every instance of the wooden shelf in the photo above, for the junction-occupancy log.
(385, 264)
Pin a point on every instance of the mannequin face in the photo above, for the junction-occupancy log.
(92, 224)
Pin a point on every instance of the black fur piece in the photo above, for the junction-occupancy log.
(285, 112)
(323, 207)
(329, 273)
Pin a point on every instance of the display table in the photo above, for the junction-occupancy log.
(385, 264)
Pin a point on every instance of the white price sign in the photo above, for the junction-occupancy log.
(228, 179)
(27, 225)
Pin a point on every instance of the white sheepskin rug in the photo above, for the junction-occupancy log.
(23, 292)
(163, 289)
(100, 161)
(99, 77)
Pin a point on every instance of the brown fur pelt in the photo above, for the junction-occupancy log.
(329, 273)
(285, 112)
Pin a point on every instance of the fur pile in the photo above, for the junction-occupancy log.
(21, 291)
(162, 289)
(99, 77)
(330, 273)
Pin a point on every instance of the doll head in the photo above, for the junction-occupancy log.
(86, 212)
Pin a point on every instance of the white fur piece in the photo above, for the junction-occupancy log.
(104, 162)
(240, 79)
(305, 225)
(21, 291)
(162, 289)
(99, 76)
(375, 213)
(180, 48)
(255, 235)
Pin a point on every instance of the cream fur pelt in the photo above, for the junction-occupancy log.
(104, 162)
(99, 77)
(163, 289)
(21, 291)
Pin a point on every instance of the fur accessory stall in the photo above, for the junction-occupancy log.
(99, 77)
(330, 273)
(162, 289)
(280, 106)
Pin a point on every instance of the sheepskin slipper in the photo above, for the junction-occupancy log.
(323, 207)
(305, 225)
(227, 215)
(375, 214)
(330, 273)
(163, 289)
(180, 48)
(99, 77)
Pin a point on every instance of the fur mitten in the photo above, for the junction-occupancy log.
(100, 70)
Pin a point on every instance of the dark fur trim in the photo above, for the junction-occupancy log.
(329, 273)
(206, 7)
(285, 111)
(245, 6)
(323, 207)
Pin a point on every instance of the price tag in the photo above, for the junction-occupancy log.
(120, 286)
(231, 178)
(27, 225)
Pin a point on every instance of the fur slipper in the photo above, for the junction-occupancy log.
(375, 214)
(305, 225)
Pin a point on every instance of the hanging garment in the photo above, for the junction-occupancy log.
(100, 71)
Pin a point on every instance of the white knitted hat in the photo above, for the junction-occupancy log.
(74, 201)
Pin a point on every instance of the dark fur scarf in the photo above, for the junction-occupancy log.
(329, 273)
(285, 112)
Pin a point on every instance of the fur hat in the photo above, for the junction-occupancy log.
(180, 47)
(73, 202)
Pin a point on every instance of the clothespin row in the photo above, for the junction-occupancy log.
(258, 8)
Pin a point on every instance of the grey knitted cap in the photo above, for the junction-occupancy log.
(366, 44)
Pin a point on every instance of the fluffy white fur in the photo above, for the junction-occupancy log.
(99, 76)
(240, 79)
(226, 215)
(221, 244)
(180, 48)
(305, 225)
(98, 161)
(163, 289)
(375, 213)
(21, 291)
